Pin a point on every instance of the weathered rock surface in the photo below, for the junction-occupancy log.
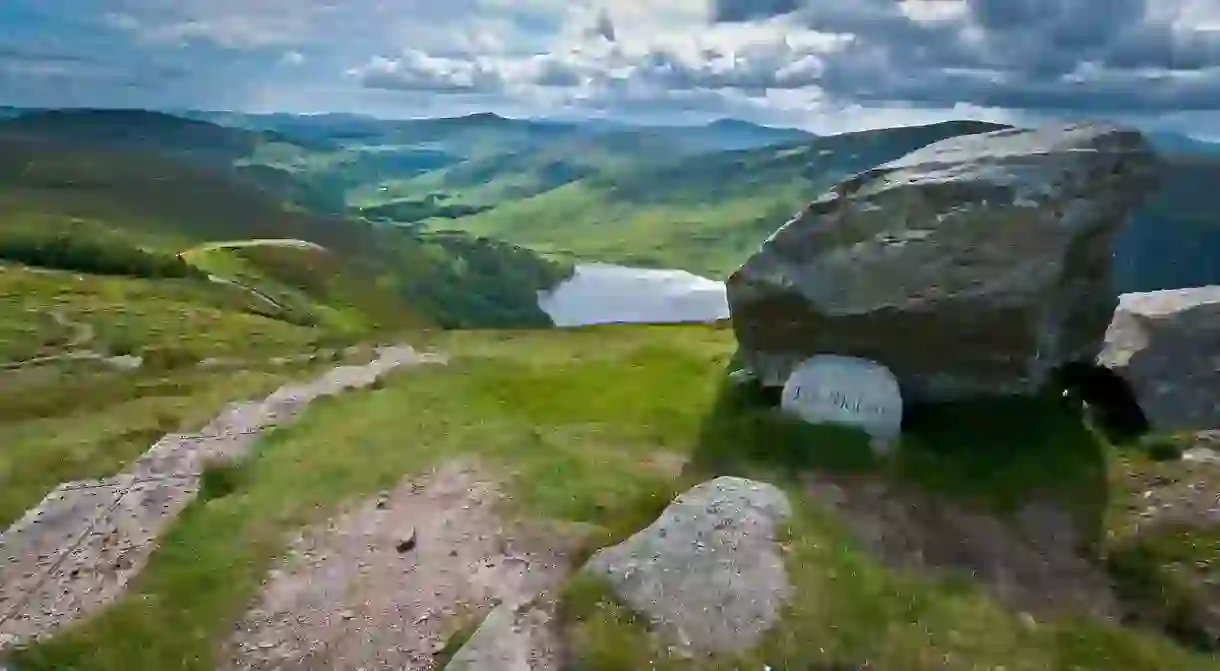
(708, 572)
(971, 267)
(1166, 345)
(845, 390)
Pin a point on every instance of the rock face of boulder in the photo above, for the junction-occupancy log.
(972, 267)
(708, 571)
(1166, 345)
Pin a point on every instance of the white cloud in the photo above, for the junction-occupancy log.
(817, 63)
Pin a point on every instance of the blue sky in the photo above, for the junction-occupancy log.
(826, 65)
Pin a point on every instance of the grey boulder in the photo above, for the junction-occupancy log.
(708, 572)
(1166, 345)
(972, 267)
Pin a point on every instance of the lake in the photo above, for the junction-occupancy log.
(603, 293)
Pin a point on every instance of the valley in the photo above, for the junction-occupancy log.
(575, 280)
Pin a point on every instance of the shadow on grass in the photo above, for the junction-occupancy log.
(997, 453)
(746, 432)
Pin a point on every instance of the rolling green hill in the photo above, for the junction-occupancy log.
(137, 210)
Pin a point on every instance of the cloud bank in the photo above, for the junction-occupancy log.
(824, 64)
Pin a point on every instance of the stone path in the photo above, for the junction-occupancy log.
(381, 586)
(77, 550)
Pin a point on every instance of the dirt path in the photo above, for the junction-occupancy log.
(384, 584)
(82, 335)
(216, 279)
(77, 550)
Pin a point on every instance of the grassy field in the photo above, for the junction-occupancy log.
(83, 419)
(80, 423)
(578, 419)
(122, 315)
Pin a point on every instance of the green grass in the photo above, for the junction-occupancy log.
(132, 315)
(302, 283)
(575, 420)
(702, 233)
(63, 425)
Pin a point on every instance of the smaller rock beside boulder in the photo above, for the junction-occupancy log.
(1166, 346)
(708, 571)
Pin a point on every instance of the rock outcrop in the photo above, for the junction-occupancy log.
(1166, 345)
(974, 266)
(708, 571)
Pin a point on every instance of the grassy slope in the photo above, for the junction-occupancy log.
(300, 283)
(80, 420)
(704, 213)
(396, 278)
(132, 315)
(563, 412)
(486, 180)
(83, 423)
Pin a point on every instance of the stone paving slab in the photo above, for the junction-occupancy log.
(34, 546)
(95, 571)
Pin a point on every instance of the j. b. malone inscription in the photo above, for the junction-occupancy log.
(829, 388)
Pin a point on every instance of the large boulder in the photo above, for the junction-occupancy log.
(708, 572)
(1166, 345)
(974, 266)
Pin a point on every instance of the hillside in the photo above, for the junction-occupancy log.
(159, 206)
(704, 213)
(550, 430)
(138, 130)
(477, 160)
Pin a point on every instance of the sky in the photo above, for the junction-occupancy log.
(824, 65)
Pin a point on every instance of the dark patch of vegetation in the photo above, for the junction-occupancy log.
(1157, 592)
(169, 357)
(413, 210)
(465, 281)
(221, 479)
(1162, 448)
(66, 252)
(744, 430)
(1007, 451)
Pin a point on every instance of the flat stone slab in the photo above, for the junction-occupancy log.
(94, 568)
(34, 546)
